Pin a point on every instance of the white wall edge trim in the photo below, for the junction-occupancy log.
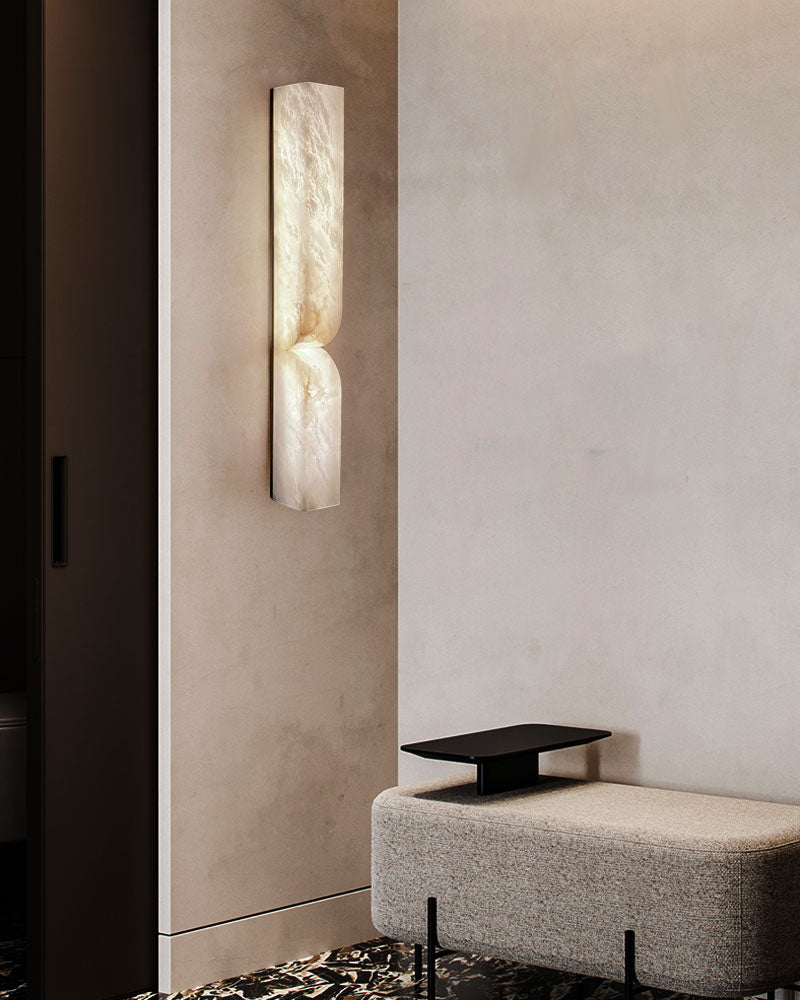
(164, 464)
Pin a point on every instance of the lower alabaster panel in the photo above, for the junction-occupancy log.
(306, 429)
(195, 958)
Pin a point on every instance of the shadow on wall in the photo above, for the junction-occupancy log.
(614, 759)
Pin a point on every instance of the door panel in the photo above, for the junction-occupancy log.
(96, 926)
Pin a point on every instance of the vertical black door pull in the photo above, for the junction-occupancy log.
(59, 511)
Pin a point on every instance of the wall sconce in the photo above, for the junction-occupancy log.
(307, 215)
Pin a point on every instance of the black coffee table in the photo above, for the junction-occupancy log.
(507, 758)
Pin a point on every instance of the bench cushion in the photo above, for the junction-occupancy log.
(555, 874)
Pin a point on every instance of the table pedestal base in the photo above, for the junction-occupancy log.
(508, 773)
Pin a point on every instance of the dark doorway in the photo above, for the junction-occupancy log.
(90, 513)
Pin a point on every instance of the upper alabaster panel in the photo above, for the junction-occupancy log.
(308, 190)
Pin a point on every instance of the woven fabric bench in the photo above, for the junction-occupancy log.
(685, 892)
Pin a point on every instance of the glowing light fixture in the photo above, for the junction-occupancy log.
(307, 209)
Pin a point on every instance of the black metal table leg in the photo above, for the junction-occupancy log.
(417, 963)
(432, 945)
(630, 964)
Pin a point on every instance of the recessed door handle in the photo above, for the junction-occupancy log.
(59, 511)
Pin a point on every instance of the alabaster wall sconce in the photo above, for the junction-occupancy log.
(307, 220)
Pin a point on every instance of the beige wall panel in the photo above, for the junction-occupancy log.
(199, 957)
(283, 624)
(600, 382)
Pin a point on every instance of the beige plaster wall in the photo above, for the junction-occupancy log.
(278, 627)
(600, 381)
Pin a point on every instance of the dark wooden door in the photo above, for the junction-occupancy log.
(93, 686)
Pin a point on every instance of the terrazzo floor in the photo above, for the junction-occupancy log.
(12, 958)
(380, 969)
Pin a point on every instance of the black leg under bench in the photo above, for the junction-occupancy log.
(432, 947)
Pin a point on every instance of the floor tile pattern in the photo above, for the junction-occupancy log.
(12, 958)
(382, 970)
(374, 970)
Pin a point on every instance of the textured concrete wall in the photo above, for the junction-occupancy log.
(279, 631)
(599, 381)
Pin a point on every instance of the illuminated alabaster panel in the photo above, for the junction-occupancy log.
(307, 207)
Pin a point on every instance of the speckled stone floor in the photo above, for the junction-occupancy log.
(12, 958)
(379, 969)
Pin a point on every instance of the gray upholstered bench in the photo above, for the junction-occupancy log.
(561, 874)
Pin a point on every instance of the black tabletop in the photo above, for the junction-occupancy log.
(495, 744)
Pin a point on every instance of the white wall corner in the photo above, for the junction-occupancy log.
(164, 483)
